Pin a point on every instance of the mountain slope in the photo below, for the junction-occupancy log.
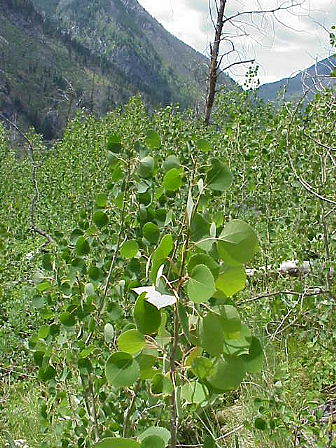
(313, 78)
(59, 55)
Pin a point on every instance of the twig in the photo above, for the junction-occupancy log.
(224, 436)
(307, 293)
(33, 225)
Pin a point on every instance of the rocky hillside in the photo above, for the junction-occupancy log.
(314, 78)
(60, 55)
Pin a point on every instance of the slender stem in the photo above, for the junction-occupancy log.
(127, 421)
(94, 409)
(173, 413)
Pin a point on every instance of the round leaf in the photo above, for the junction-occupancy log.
(158, 431)
(231, 280)
(129, 249)
(151, 232)
(152, 442)
(82, 247)
(131, 342)
(254, 360)
(121, 370)
(101, 200)
(112, 442)
(171, 162)
(211, 334)
(194, 392)
(146, 167)
(100, 218)
(114, 143)
(153, 140)
(219, 177)
(239, 240)
(172, 180)
(206, 260)
(147, 317)
(201, 285)
(203, 145)
(228, 374)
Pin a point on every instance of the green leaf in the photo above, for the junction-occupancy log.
(82, 247)
(254, 360)
(219, 177)
(194, 392)
(114, 143)
(153, 140)
(146, 363)
(151, 232)
(147, 317)
(47, 262)
(238, 343)
(160, 255)
(202, 367)
(228, 374)
(206, 260)
(231, 280)
(95, 274)
(158, 431)
(172, 180)
(47, 373)
(129, 249)
(161, 385)
(238, 240)
(201, 284)
(122, 370)
(260, 423)
(101, 200)
(152, 442)
(146, 167)
(100, 218)
(231, 322)
(171, 162)
(67, 319)
(112, 442)
(209, 442)
(131, 342)
(203, 145)
(211, 334)
(199, 227)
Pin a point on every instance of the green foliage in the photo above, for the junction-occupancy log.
(103, 355)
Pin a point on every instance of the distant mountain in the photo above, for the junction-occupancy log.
(60, 55)
(313, 78)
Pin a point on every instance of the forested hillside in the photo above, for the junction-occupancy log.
(184, 291)
(58, 57)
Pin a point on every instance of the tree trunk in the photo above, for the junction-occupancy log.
(213, 68)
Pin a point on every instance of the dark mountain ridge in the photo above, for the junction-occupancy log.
(60, 55)
(314, 78)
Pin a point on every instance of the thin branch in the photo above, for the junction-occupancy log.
(307, 293)
(263, 11)
(33, 205)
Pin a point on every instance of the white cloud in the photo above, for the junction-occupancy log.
(281, 50)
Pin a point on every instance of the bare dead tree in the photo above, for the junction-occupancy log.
(227, 29)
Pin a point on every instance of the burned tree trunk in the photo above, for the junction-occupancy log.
(214, 65)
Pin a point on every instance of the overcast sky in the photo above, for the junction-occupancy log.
(281, 47)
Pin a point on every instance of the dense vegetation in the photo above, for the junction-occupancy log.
(132, 200)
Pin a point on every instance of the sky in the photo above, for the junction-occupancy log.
(282, 45)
